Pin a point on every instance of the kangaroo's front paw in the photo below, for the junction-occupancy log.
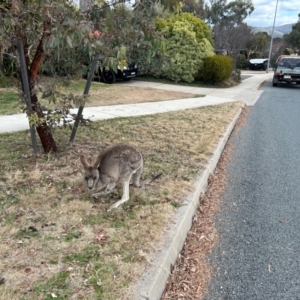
(115, 205)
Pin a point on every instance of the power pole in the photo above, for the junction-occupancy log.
(271, 44)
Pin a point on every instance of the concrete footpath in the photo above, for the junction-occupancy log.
(152, 283)
(246, 91)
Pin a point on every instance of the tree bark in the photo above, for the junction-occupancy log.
(43, 129)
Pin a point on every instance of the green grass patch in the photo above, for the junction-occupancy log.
(72, 235)
(55, 288)
(86, 255)
(7, 82)
(9, 103)
(30, 232)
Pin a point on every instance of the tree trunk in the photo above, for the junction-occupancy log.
(43, 129)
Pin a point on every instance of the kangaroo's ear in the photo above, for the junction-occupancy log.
(84, 161)
(98, 161)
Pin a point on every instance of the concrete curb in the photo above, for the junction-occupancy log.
(154, 280)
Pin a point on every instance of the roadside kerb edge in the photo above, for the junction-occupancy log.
(154, 280)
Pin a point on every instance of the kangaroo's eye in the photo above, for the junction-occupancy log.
(86, 178)
(94, 178)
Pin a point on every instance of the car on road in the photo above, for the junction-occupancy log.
(110, 76)
(258, 64)
(286, 70)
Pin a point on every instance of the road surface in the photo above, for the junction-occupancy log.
(258, 253)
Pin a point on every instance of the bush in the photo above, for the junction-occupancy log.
(255, 55)
(216, 69)
(198, 26)
(241, 62)
(187, 44)
(288, 51)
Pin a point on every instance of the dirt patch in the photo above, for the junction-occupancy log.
(190, 276)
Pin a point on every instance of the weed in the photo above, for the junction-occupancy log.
(175, 204)
(56, 287)
(72, 235)
(30, 232)
(88, 254)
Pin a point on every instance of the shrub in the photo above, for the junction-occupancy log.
(198, 26)
(288, 51)
(216, 69)
(255, 55)
(187, 44)
(241, 62)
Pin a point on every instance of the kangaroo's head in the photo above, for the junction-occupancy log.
(91, 173)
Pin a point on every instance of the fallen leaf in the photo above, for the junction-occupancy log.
(101, 238)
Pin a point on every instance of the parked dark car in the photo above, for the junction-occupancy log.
(258, 64)
(110, 76)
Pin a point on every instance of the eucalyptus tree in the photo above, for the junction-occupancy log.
(258, 42)
(196, 7)
(227, 22)
(293, 38)
(49, 27)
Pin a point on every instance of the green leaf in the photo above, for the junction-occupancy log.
(69, 41)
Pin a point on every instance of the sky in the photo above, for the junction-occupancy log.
(264, 12)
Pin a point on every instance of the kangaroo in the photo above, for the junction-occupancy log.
(118, 163)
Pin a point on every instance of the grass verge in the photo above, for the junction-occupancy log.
(57, 242)
(100, 94)
(9, 102)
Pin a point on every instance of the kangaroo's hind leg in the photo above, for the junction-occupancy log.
(136, 177)
(125, 196)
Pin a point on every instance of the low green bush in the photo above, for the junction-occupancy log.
(242, 62)
(188, 42)
(6, 82)
(255, 55)
(216, 69)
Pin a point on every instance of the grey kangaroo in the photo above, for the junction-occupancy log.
(118, 163)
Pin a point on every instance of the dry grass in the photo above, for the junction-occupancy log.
(100, 94)
(119, 93)
(58, 242)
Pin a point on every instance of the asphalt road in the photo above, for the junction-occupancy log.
(258, 253)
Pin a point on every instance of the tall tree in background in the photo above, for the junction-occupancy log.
(293, 38)
(259, 42)
(195, 7)
(48, 26)
(226, 20)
